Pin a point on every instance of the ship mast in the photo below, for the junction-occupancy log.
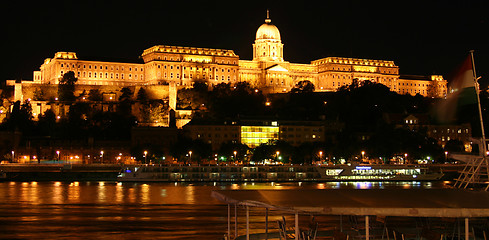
(474, 169)
(483, 140)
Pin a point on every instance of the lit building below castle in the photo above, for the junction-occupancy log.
(268, 71)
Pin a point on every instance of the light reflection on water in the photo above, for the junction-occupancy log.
(108, 210)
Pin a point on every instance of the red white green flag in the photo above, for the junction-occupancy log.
(461, 92)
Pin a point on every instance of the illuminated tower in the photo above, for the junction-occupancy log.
(268, 46)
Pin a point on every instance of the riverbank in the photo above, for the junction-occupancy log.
(61, 172)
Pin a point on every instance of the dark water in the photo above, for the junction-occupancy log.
(110, 210)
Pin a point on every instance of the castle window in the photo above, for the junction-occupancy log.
(94, 74)
(116, 76)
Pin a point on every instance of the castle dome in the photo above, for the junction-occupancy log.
(268, 31)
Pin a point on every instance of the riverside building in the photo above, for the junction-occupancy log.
(268, 70)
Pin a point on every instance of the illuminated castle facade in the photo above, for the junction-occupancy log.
(268, 71)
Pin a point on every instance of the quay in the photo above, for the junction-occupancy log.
(110, 172)
(60, 172)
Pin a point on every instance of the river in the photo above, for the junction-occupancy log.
(111, 210)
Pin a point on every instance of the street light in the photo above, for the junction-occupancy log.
(102, 156)
(57, 152)
(446, 156)
(405, 157)
(190, 155)
(13, 156)
(235, 152)
(363, 155)
(320, 155)
(145, 158)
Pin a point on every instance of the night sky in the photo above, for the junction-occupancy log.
(422, 37)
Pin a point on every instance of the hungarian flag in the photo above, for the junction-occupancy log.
(461, 92)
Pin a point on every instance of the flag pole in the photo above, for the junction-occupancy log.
(483, 141)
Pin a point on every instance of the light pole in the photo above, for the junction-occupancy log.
(13, 156)
(278, 155)
(405, 158)
(320, 155)
(190, 155)
(235, 152)
(57, 153)
(446, 156)
(102, 156)
(145, 158)
(363, 155)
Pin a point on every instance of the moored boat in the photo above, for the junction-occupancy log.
(276, 173)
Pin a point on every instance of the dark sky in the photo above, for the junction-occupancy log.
(422, 37)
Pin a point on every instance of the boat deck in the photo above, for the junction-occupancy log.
(378, 204)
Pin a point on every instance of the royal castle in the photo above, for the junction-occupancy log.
(268, 70)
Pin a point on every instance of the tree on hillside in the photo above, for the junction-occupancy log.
(142, 96)
(126, 94)
(125, 101)
(66, 87)
(242, 99)
(200, 86)
(303, 87)
(154, 112)
(434, 90)
(95, 95)
(39, 95)
(195, 98)
(20, 118)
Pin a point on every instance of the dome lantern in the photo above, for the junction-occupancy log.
(268, 31)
